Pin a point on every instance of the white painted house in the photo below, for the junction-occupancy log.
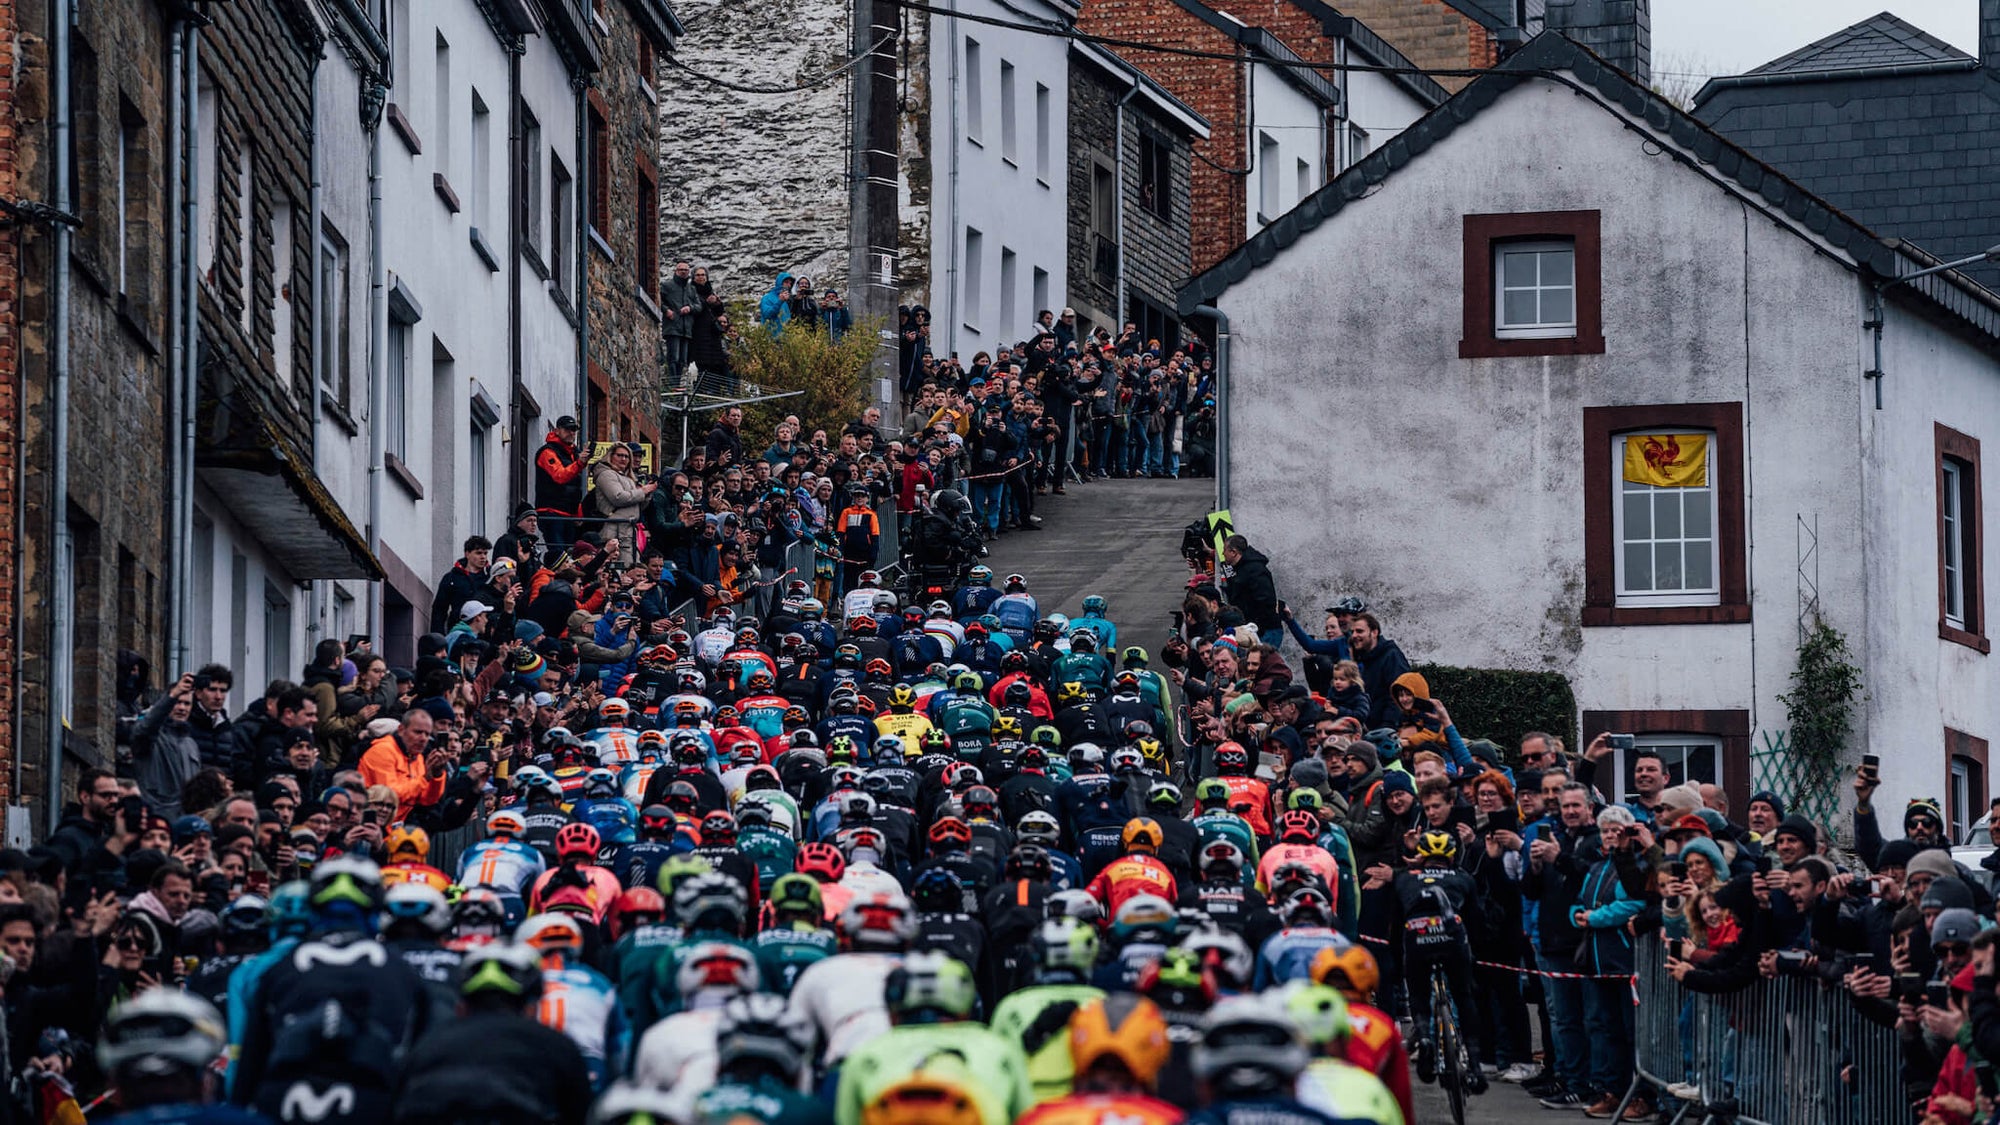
(999, 173)
(1436, 364)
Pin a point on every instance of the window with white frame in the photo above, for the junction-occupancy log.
(396, 408)
(1960, 799)
(975, 99)
(1952, 523)
(1664, 518)
(1534, 290)
(1690, 759)
(975, 250)
(1008, 127)
(330, 337)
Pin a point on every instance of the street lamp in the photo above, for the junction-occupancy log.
(1874, 323)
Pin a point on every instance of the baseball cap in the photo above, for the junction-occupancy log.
(566, 422)
(544, 699)
(473, 609)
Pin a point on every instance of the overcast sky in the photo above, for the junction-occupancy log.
(1710, 37)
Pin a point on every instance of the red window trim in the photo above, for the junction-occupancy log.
(598, 138)
(1732, 727)
(646, 266)
(1959, 744)
(1964, 448)
(1483, 232)
(1600, 568)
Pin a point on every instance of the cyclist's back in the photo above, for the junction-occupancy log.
(1348, 1093)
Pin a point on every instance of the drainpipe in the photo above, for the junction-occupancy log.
(517, 189)
(952, 235)
(315, 209)
(579, 292)
(1221, 320)
(378, 366)
(61, 600)
(189, 310)
(177, 405)
(1118, 205)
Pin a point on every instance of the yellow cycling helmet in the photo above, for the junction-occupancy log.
(902, 697)
(1125, 1028)
(1436, 843)
(406, 842)
(1142, 833)
(1350, 970)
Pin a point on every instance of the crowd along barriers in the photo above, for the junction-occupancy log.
(1783, 1051)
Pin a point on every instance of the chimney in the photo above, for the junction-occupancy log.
(1620, 31)
(1989, 33)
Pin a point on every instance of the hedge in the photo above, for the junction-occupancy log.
(1502, 704)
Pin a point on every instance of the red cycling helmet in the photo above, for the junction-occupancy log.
(636, 907)
(1298, 823)
(950, 830)
(718, 827)
(822, 861)
(574, 839)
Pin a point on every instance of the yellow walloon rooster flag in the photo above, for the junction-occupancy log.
(1667, 460)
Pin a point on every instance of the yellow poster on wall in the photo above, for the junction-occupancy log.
(642, 466)
(1667, 460)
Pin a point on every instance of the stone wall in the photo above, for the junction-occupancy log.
(1156, 248)
(1431, 33)
(626, 353)
(913, 159)
(117, 491)
(756, 184)
(1093, 124)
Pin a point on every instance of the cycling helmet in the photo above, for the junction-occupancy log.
(511, 969)
(1321, 1013)
(762, 1028)
(1075, 902)
(613, 708)
(1306, 906)
(888, 750)
(811, 609)
(1122, 1029)
(506, 822)
(1095, 604)
(1086, 757)
(1039, 826)
(1016, 584)
(718, 828)
(796, 893)
(760, 680)
(1047, 629)
(578, 839)
(677, 870)
(640, 906)
(479, 912)
(1226, 954)
(883, 921)
(1142, 835)
(550, 933)
(688, 752)
(1232, 756)
(1030, 862)
(1308, 799)
(869, 578)
(822, 861)
(419, 906)
(407, 842)
(981, 803)
(1127, 760)
(715, 971)
(243, 919)
(864, 844)
(627, 1103)
(682, 797)
(159, 1033)
(657, 821)
(1299, 825)
(346, 879)
(1144, 912)
(902, 697)
(1351, 970)
(1164, 794)
(950, 834)
(1014, 661)
(938, 890)
(930, 987)
(1249, 1046)
(1017, 694)
(1065, 944)
(600, 782)
(751, 814)
(981, 575)
(1211, 794)
(1220, 860)
(1437, 844)
(1134, 655)
(842, 749)
(711, 901)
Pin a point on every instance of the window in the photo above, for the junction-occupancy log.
(1008, 127)
(1303, 173)
(481, 173)
(600, 166)
(648, 72)
(1664, 541)
(399, 37)
(1534, 292)
(1040, 291)
(206, 164)
(975, 96)
(1156, 176)
(1357, 144)
(1008, 282)
(441, 107)
(1532, 285)
(1961, 541)
(530, 198)
(970, 268)
(1103, 220)
(1267, 178)
(132, 183)
(1965, 781)
(1042, 133)
(277, 634)
(562, 221)
(396, 408)
(1697, 747)
(477, 452)
(330, 337)
(281, 287)
(246, 223)
(1665, 533)
(1687, 758)
(647, 258)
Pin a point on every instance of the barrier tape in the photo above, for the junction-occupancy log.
(1633, 978)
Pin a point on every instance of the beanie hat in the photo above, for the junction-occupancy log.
(1946, 894)
(1396, 781)
(1365, 751)
(528, 664)
(1799, 826)
(1957, 925)
(1309, 773)
(1896, 853)
(1922, 806)
(1935, 862)
(1705, 848)
(1776, 802)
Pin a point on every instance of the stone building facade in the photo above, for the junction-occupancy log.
(757, 183)
(622, 121)
(117, 278)
(1131, 212)
(1436, 34)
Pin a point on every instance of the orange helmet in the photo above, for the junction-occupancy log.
(1142, 833)
(1125, 1028)
(951, 830)
(935, 1095)
(407, 842)
(1349, 969)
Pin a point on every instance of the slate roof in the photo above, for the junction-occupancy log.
(1881, 40)
(1885, 123)
(1547, 56)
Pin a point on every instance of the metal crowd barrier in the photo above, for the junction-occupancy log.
(1788, 1051)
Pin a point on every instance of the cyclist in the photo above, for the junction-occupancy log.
(1064, 954)
(158, 1048)
(1118, 1045)
(1374, 1042)
(576, 999)
(930, 998)
(1220, 893)
(1250, 1056)
(1288, 954)
(1331, 1083)
(764, 1054)
(679, 1052)
(1298, 835)
(408, 848)
(797, 936)
(504, 861)
(577, 846)
(1138, 872)
(842, 996)
(604, 807)
(1429, 901)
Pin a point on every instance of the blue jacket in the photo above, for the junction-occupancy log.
(771, 309)
(1608, 947)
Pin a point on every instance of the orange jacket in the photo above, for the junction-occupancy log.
(384, 763)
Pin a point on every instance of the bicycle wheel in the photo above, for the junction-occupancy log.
(1451, 1059)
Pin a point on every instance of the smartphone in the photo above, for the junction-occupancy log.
(1677, 948)
(1909, 985)
(1677, 870)
(258, 883)
(134, 811)
(1507, 819)
(1871, 762)
(368, 816)
(356, 641)
(1462, 814)
(1621, 741)
(1763, 862)
(1792, 958)
(1937, 994)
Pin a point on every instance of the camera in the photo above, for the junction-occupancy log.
(1792, 960)
(1621, 741)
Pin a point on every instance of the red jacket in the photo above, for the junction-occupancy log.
(1129, 877)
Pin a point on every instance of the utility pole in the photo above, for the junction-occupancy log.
(874, 223)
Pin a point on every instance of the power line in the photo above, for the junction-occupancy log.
(813, 83)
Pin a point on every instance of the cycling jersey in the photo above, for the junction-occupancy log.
(764, 1101)
(1272, 1111)
(995, 1073)
(785, 953)
(579, 1002)
(1103, 1109)
(842, 997)
(508, 865)
(424, 873)
(678, 1055)
(1375, 1044)
(601, 888)
(1346, 1092)
(615, 746)
(1024, 1017)
(1133, 875)
(1288, 954)
(616, 821)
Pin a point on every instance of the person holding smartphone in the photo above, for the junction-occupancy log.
(405, 761)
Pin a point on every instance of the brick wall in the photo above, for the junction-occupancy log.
(118, 333)
(1430, 33)
(625, 328)
(1213, 88)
